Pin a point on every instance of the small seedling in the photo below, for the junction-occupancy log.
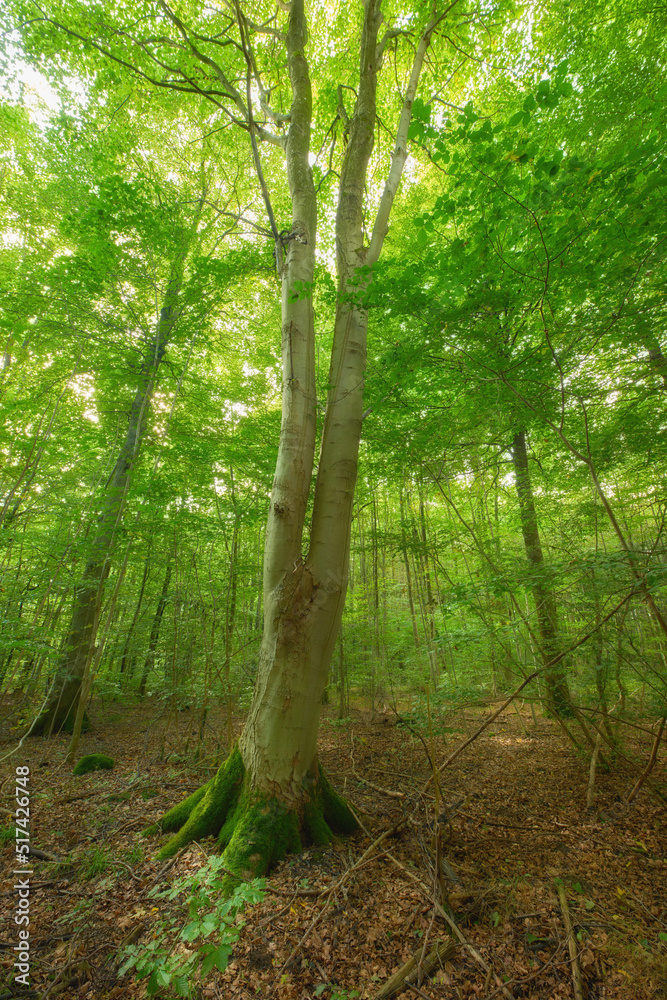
(213, 927)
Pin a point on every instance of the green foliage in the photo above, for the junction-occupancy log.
(94, 762)
(213, 927)
(95, 862)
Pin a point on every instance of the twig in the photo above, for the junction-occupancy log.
(571, 944)
(486, 724)
(527, 680)
(378, 788)
(415, 989)
(337, 885)
(417, 965)
(44, 855)
(651, 761)
(475, 954)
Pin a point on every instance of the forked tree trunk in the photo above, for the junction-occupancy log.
(558, 695)
(271, 793)
(60, 711)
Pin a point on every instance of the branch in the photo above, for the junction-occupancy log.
(255, 151)
(400, 153)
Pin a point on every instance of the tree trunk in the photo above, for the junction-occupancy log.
(155, 632)
(60, 711)
(123, 671)
(558, 695)
(271, 793)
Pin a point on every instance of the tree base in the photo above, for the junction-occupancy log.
(58, 719)
(254, 831)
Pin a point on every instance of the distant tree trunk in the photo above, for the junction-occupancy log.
(149, 662)
(60, 711)
(133, 624)
(558, 695)
(272, 792)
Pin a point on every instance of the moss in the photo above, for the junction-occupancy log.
(254, 831)
(204, 812)
(94, 762)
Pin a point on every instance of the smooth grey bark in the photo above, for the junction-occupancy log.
(304, 592)
(558, 695)
(271, 789)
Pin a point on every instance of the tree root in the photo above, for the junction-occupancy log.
(254, 831)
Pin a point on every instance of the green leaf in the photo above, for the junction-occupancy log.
(529, 103)
(191, 931)
(516, 118)
(221, 957)
(181, 985)
(163, 978)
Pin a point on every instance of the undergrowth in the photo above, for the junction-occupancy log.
(176, 956)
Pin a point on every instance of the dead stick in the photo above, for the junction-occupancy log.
(337, 885)
(473, 951)
(651, 761)
(378, 788)
(441, 912)
(441, 951)
(571, 944)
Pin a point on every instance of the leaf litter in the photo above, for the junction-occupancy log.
(513, 839)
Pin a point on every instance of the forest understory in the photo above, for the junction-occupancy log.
(523, 855)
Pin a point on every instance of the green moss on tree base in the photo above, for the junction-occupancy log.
(254, 831)
(94, 762)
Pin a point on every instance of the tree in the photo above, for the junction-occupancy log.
(79, 646)
(271, 792)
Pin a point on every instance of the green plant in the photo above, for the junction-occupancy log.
(212, 929)
(337, 992)
(94, 862)
(135, 855)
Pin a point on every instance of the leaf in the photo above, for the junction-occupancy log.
(163, 978)
(181, 985)
(191, 931)
(516, 118)
(208, 963)
(529, 103)
(221, 957)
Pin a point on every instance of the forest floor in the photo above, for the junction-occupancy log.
(329, 925)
